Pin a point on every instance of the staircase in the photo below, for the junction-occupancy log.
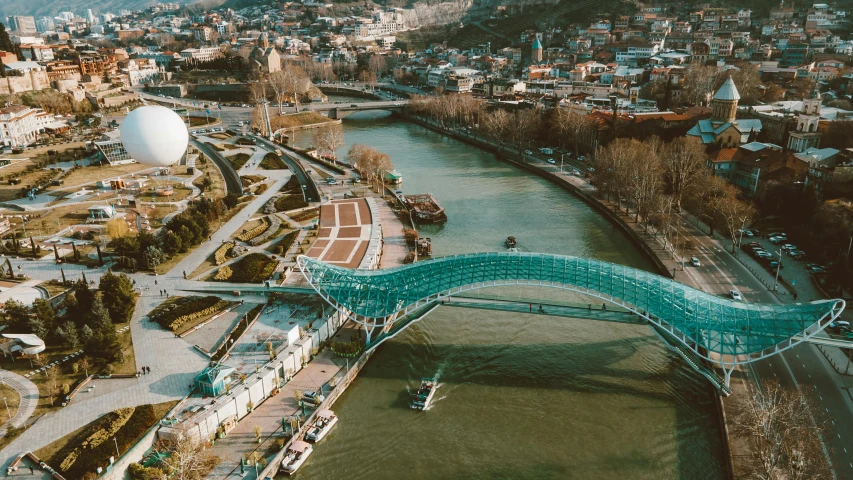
(693, 360)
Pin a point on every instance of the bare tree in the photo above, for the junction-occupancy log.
(186, 459)
(732, 212)
(328, 139)
(258, 92)
(278, 84)
(698, 84)
(783, 428)
(684, 159)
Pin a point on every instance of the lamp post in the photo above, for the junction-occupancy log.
(117, 454)
(776, 281)
(740, 238)
(8, 412)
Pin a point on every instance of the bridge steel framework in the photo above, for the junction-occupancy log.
(716, 329)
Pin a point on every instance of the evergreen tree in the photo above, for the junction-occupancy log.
(85, 299)
(7, 45)
(118, 296)
(103, 344)
(17, 317)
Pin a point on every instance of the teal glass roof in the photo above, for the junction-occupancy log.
(709, 325)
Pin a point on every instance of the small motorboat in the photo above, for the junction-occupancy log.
(296, 455)
(511, 242)
(423, 396)
(326, 419)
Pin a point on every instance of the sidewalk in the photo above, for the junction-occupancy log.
(394, 247)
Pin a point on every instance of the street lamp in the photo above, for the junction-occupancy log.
(776, 281)
(117, 454)
(7, 408)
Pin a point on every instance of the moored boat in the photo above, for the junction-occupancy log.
(423, 396)
(393, 177)
(326, 419)
(425, 208)
(296, 455)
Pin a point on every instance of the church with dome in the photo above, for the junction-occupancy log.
(724, 129)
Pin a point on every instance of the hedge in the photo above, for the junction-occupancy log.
(184, 309)
(223, 273)
(285, 243)
(250, 234)
(97, 435)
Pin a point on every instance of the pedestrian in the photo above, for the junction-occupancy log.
(531, 307)
(32, 471)
(155, 282)
(185, 274)
(604, 307)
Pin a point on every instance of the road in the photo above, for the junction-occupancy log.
(232, 179)
(802, 366)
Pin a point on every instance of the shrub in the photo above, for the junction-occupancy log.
(254, 267)
(186, 309)
(290, 202)
(272, 161)
(248, 235)
(275, 224)
(140, 472)
(100, 433)
(223, 274)
(286, 242)
(221, 254)
(261, 189)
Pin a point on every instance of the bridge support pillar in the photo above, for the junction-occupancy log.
(727, 375)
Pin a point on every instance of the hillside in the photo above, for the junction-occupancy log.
(43, 8)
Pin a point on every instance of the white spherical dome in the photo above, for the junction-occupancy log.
(154, 135)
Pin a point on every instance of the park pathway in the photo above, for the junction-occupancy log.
(29, 394)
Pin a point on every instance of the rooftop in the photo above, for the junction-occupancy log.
(727, 92)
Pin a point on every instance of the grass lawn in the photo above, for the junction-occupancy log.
(204, 266)
(91, 174)
(49, 451)
(238, 160)
(53, 288)
(272, 161)
(298, 120)
(12, 400)
(180, 192)
(189, 325)
(221, 135)
(128, 363)
(217, 188)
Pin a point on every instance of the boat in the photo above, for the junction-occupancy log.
(393, 177)
(510, 242)
(423, 396)
(326, 419)
(296, 455)
(425, 208)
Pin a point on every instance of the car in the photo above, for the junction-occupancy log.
(332, 181)
(774, 264)
(582, 158)
(528, 152)
(590, 170)
(142, 215)
(576, 172)
(817, 270)
(551, 161)
(789, 246)
(694, 261)
(753, 244)
(764, 254)
(776, 240)
(778, 234)
(354, 105)
(736, 296)
(797, 254)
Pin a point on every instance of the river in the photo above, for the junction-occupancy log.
(520, 396)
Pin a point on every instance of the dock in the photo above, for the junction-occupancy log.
(425, 208)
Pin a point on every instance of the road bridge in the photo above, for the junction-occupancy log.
(709, 327)
(337, 111)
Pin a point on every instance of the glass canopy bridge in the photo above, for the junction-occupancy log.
(712, 328)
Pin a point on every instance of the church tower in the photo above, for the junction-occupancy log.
(536, 52)
(724, 103)
(805, 136)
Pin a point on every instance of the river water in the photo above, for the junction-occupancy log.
(520, 396)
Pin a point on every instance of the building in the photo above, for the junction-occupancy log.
(201, 55)
(806, 136)
(19, 125)
(264, 57)
(24, 25)
(722, 128)
(214, 380)
(114, 153)
(536, 51)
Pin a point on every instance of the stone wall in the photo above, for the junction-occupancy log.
(34, 80)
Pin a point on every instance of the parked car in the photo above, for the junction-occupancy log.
(694, 261)
(774, 264)
(551, 161)
(736, 296)
(789, 246)
(528, 152)
(753, 244)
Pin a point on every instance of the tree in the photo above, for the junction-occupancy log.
(732, 212)
(17, 316)
(52, 373)
(153, 256)
(185, 459)
(838, 134)
(84, 364)
(117, 228)
(258, 92)
(328, 139)
(684, 162)
(69, 334)
(377, 65)
(171, 243)
(784, 429)
(104, 343)
(698, 84)
(118, 296)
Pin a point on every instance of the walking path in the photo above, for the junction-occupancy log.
(29, 394)
(394, 247)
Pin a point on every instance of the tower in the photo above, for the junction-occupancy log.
(264, 41)
(724, 103)
(536, 52)
(805, 136)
